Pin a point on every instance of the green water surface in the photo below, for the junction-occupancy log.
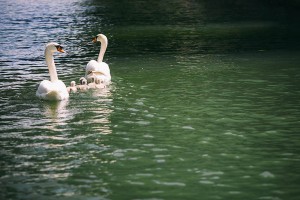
(203, 104)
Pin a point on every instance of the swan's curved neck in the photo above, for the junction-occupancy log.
(102, 50)
(51, 65)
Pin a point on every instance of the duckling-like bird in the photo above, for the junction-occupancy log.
(83, 84)
(72, 87)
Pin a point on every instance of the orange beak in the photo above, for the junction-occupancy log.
(94, 39)
(60, 49)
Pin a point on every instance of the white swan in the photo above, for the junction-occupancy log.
(99, 69)
(54, 89)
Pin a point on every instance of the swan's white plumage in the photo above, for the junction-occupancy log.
(49, 90)
(54, 89)
(98, 69)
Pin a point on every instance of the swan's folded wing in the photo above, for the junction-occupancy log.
(44, 88)
(97, 70)
(52, 90)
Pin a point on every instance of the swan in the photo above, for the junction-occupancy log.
(96, 83)
(72, 87)
(99, 84)
(54, 89)
(92, 84)
(83, 84)
(99, 69)
(82, 81)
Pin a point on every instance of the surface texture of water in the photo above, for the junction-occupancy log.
(204, 101)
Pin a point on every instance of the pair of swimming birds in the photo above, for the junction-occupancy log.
(96, 72)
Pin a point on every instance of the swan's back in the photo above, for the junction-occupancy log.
(48, 90)
(102, 68)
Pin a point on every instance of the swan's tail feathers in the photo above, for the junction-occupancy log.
(52, 91)
(53, 96)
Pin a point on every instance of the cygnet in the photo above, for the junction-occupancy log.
(83, 84)
(72, 87)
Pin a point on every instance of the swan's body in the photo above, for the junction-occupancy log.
(82, 81)
(72, 87)
(99, 69)
(82, 87)
(54, 89)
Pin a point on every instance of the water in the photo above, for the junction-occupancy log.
(204, 101)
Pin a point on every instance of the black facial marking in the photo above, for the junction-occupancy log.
(58, 47)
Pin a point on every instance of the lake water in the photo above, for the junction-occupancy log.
(203, 104)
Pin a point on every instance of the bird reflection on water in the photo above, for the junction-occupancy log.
(94, 106)
(57, 112)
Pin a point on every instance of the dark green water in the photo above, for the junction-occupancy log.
(204, 101)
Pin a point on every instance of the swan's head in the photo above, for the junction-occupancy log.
(100, 38)
(73, 84)
(97, 81)
(82, 81)
(54, 47)
(92, 79)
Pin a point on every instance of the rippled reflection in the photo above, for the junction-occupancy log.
(57, 111)
(200, 105)
(101, 108)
